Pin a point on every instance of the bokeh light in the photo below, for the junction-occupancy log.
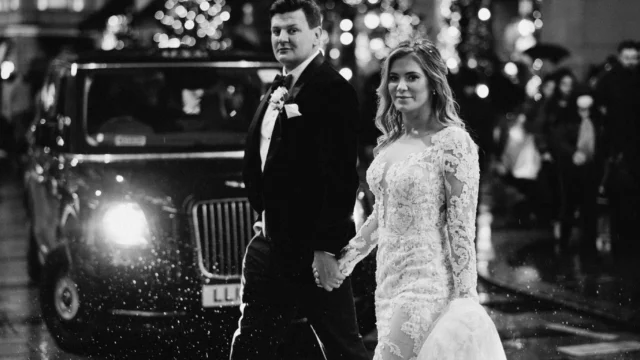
(387, 20)
(526, 27)
(510, 69)
(371, 20)
(346, 73)
(346, 38)
(482, 91)
(452, 63)
(346, 25)
(484, 14)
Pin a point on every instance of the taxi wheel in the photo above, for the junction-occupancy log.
(67, 315)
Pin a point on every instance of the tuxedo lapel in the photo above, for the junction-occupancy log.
(276, 137)
(253, 140)
(306, 75)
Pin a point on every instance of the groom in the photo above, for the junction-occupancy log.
(300, 172)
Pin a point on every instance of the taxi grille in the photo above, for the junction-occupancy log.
(223, 228)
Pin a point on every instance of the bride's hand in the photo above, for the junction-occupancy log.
(326, 271)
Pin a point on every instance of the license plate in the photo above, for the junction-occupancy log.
(221, 295)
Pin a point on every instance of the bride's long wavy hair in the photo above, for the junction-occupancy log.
(443, 106)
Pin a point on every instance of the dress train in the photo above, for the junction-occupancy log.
(464, 331)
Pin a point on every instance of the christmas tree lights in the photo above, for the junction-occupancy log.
(470, 27)
(380, 26)
(194, 24)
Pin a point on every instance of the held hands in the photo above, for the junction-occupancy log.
(326, 271)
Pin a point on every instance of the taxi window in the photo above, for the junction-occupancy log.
(172, 107)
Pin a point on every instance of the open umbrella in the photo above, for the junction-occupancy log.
(552, 52)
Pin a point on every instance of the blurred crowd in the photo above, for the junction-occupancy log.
(573, 150)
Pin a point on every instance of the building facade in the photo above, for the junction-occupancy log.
(32, 31)
(590, 29)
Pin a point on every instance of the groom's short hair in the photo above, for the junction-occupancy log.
(310, 8)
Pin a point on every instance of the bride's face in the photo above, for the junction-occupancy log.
(408, 85)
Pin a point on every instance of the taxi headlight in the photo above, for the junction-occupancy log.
(125, 225)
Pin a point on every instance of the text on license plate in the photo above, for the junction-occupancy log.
(221, 295)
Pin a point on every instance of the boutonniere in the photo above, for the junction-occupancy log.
(277, 97)
(292, 110)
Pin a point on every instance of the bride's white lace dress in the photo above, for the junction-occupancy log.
(423, 223)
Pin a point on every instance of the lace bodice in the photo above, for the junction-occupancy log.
(423, 223)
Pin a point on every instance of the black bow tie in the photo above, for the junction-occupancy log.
(282, 81)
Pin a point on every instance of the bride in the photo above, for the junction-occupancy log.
(425, 178)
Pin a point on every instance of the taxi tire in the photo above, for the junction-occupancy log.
(76, 335)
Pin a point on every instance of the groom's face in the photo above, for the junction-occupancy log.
(292, 39)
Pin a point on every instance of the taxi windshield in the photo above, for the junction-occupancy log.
(177, 107)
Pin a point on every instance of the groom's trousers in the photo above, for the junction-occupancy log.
(271, 302)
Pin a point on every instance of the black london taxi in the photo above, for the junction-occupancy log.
(134, 190)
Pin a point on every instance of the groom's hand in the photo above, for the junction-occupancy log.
(327, 270)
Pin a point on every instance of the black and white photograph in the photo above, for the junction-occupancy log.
(319, 179)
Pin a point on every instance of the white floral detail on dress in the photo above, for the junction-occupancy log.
(359, 247)
(463, 331)
(423, 224)
(462, 176)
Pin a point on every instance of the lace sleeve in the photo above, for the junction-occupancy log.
(361, 245)
(462, 177)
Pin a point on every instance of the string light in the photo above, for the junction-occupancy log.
(378, 27)
(346, 25)
(537, 64)
(387, 20)
(529, 26)
(526, 27)
(371, 20)
(376, 44)
(194, 24)
(484, 14)
(452, 63)
(346, 38)
(511, 69)
(346, 73)
(465, 39)
(449, 35)
(482, 90)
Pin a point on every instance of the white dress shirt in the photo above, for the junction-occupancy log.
(271, 114)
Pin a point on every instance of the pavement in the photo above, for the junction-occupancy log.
(524, 258)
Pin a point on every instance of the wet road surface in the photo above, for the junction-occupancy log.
(529, 328)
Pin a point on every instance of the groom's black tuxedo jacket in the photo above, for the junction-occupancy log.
(309, 183)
